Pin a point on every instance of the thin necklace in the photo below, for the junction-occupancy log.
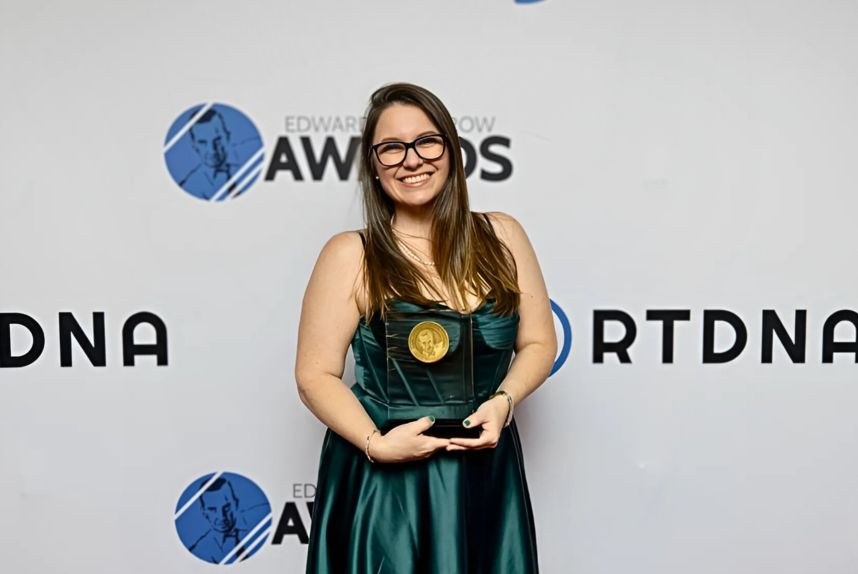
(403, 233)
(409, 235)
(414, 255)
(405, 247)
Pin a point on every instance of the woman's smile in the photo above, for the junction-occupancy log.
(416, 180)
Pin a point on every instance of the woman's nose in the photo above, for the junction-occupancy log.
(411, 158)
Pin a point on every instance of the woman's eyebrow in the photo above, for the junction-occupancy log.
(391, 139)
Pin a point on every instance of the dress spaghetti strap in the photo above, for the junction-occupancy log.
(490, 224)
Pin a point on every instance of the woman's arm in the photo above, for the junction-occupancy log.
(535, 343)
(329, 317)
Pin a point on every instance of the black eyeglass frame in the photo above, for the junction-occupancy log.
(410, 145)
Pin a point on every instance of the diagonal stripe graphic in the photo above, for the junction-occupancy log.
(187, 126)
(196, 495)
(260, 540)
(237, 175)
(248, 181)
(264, 523)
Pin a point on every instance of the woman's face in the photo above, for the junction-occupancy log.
(416, 181)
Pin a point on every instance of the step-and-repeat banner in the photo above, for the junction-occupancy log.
(685, 170)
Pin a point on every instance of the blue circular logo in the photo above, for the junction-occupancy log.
(223, 518)
(567, 337)
(214, 152)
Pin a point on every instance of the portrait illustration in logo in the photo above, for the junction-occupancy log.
(214, 152)
(223, 518)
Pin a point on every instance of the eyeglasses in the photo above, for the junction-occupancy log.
(392, 153)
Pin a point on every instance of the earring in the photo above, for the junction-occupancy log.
(376, 177)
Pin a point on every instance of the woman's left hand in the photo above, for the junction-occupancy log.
(491, 415)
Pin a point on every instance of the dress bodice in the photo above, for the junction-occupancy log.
(493, 346)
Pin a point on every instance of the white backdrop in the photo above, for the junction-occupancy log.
(664, 155)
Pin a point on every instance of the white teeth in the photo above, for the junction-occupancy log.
(415, 178)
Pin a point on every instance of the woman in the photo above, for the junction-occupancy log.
(406, 500)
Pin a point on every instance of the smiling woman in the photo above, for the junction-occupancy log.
(409, 179)
(399, 490)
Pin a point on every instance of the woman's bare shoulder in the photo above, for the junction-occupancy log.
(507, 227)
(343, 248)
(340, 258)
(339, 268)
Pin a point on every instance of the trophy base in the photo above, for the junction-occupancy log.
(443, 428)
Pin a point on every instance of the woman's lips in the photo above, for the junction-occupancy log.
(415, 180)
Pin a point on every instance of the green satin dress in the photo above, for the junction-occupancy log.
(453, 513)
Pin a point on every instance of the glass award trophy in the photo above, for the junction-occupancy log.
(430, 369)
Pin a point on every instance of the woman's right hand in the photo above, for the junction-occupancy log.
(406, 442)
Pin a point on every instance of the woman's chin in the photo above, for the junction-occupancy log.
(415, 198)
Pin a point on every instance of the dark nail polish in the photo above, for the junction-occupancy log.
(431, 418)
(467, 423)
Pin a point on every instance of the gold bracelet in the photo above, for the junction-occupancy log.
(366, 448)
(508, 402)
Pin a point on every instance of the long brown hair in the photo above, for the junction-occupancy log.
(466, 251)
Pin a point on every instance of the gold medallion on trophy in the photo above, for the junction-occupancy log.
(428, 341)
